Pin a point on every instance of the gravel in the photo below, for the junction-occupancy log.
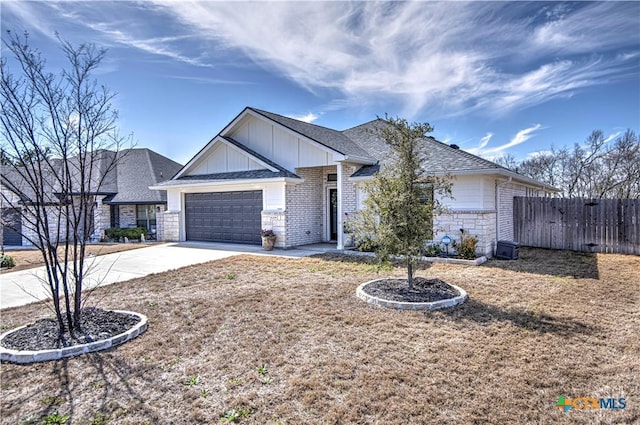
(44, 334)
(424, 290)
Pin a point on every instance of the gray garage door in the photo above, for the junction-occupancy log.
(224, 216)
(12, 225)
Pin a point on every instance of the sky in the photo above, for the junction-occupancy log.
(495, 78)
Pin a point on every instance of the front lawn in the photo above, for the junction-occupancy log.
(266, 340)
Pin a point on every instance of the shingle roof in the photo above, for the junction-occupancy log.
(127, 183)
(137, 169)
(330, 138)
(441, 158)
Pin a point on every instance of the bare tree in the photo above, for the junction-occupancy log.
(59, 142)
(598, 168)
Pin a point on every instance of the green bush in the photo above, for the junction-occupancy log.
(432, 250)
(466, 248)
(366, 244)
(121, 232)
(7, 261)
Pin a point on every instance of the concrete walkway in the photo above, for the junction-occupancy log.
(27, 286)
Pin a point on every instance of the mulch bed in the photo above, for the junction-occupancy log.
(44, 334)
(424, 290)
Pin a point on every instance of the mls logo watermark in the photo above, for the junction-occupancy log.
(590, 403)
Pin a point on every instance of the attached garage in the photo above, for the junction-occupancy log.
(11, 227)
(224, 216)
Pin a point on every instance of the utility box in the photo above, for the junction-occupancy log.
(507, 250)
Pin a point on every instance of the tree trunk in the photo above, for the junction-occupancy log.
(410, 274)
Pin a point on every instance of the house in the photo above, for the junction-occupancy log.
(268, 171)
(122, 198)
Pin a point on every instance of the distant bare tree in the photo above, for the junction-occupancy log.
(598, 168)
(58, 139)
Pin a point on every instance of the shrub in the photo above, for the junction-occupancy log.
(432, 250)
(467, 246)
(120, 232)
(7, 261)
(366, 244)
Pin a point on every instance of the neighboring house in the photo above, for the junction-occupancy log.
(267, 171)
(122, 200)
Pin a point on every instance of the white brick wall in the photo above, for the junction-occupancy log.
(304, 209)
(275, 220)
(506, 193)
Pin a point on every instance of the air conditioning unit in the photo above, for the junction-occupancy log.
(507, 250)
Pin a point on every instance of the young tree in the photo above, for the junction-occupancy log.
(59, 142)
(400, 203)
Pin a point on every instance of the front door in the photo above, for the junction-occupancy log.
(333, 214)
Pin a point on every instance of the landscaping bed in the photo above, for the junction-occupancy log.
(270, 340)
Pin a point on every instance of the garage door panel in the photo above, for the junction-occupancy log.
(224, 216)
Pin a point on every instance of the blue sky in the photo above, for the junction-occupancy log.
(492, 77)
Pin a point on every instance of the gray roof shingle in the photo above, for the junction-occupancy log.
(138, 169)
(126, 183)
(441, 158)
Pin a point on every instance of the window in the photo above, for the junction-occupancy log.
(333, 177)
(146, 216)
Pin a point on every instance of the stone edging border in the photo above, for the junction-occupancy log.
(27, 357)
(403, 305)
(475, 262)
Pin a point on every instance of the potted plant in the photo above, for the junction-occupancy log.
(347, 232)
(268, 239)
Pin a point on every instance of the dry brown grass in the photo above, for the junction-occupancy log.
(30, 258)
(552, 323)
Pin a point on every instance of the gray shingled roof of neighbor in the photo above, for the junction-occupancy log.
(328, 137)
(127, 183)
(136, 170)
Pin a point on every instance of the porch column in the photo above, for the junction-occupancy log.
(340, 213)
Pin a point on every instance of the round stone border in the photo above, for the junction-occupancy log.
(404, 305)
(27, 357)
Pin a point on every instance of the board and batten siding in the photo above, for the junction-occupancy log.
(280, 146)
(224, 159)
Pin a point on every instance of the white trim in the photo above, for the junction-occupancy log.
(186, 185)
(253, 157)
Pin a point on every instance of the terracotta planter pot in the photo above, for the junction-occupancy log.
(268, 242)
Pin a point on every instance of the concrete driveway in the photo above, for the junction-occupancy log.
(27, 286)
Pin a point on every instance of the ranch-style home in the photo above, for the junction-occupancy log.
(268, 171)
(122, 200)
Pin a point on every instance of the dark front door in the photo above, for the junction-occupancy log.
(224, 216)
(333, 214)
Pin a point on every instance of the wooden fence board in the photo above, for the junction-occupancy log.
(590, 225)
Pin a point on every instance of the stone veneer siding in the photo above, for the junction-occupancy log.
(304, 209)
(168, 226)
(127, 214)
(475, 223)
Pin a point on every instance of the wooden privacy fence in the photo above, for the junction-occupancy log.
(591, 225)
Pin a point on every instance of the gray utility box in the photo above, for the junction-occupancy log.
(507, 250)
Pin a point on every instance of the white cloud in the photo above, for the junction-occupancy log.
(484, 141)
(444, 58)
(310, 117)
(492, 152)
